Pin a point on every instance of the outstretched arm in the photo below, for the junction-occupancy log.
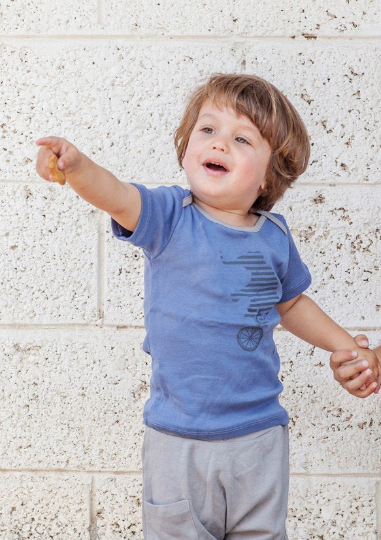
(303, 318)
(92, 182)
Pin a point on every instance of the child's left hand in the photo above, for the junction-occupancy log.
(358, 371)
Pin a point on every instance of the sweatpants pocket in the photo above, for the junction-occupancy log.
(169, 521)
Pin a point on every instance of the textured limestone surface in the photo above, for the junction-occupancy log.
(44, 506)
(118, 507)
(171, 17)
(52, 18)
(242, 18)
(124, 294)
(125, 100)
(72, 399)
(49, 256)
(325, 509)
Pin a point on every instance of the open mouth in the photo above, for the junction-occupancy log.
(214, 166)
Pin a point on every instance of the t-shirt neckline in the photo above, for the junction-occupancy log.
(256, 228)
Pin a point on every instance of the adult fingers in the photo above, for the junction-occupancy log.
(339, 357)
(362, 392)
(351, 371)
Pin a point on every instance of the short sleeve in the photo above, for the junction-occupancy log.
(161, 210)
(297, 278)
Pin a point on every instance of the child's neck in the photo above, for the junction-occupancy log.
(236, 218)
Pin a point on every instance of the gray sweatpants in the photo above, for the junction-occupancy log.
(213, 490)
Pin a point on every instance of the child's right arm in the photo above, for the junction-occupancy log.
(92, 182)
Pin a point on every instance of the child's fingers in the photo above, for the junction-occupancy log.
(58, 146)
(361, 379)
(362, 341)
(49, 145)
(42, 163)
(340, 357)
(365, 393)
(378, 384)
(360, 386)
(376, 374)
(55, 143)
(350, 371)
(67, 156)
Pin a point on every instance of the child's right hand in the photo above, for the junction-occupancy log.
(96, 185)
(69, 157)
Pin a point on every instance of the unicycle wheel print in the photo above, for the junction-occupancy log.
(249, 337)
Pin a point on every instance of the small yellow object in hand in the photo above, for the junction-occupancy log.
(57, 174)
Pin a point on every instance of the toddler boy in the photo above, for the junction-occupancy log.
(221, 271)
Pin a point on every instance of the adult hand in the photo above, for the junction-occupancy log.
(354, 375)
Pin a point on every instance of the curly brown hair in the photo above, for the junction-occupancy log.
(271, 112)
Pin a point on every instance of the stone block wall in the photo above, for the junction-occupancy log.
(112, 77)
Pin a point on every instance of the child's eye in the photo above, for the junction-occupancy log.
(242, 140)
(207, 130)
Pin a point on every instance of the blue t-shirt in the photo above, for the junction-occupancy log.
(211, 291)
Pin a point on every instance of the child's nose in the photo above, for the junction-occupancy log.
(220, 145)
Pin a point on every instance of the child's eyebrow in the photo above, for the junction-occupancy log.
(206, 116)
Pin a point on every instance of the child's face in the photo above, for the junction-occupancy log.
(226, 160)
